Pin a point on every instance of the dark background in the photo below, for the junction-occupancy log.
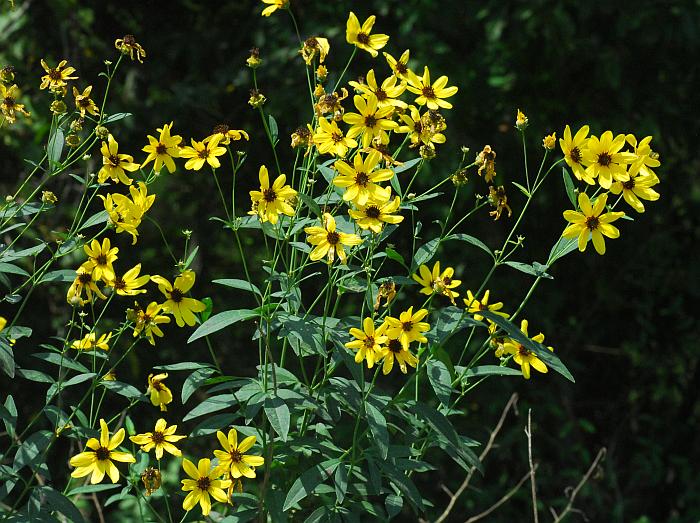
(624, 323)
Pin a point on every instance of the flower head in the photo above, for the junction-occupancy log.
(360, 181)
(272, 200)
(374, 215)
(486, 160)
(421, 129)
(233, 459)
(368, 342)
(226, 135)
(499, 200)
(202, 483)
(604, 159)
(162, 439)
(177, 303)
(436, 281)
(84, 282)
(399, 67)
(431, 94)
(360, 35)
(100, 259)
(408, 327)
(330, 139)
(396, 351)
(56, 78)
(328, 242)
(159, 393)
(591, 222)
(387, 92)
(637, 188)
(129, 46)
(200, 153)
(8, 103)
(129, 283)
(98, 460)
(91, 342)
(147, 321)
(521, 121)
(274, 5)
(573, 149)
(161, 151)
(83, 102)
(370, 121)
(313, 46)
(522, 356)
(114, 164)
(474, 305)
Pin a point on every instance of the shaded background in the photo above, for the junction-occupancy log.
(623, 323)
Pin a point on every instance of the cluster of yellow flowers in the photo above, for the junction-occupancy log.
(203, 482)
(621, 165)
(9, 96)
(437, 282)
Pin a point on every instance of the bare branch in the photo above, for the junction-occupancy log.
(528, 433)
(569, 507)
(489, 445)
(505, 498)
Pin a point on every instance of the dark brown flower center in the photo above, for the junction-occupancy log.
(269, 195)
(129, 40)
(161, 149)
(236, 456)
(523, 351)
(84, 102)
(55, 75)
(176, 295)
(363, 38)
(395, 346)
(401, 68)
(101, 259)
(204, 153)
(102, 453)
(362, 179)
(84, 278)
(9, 102)
(604, 159)
(381, 94)
(629, 184)
(204, 484)
(337, 137)
(373, 212)
(428, 92)
(370, 121)
(119, 283)
(407, 326)
(592, 223)
(575, 155)
(158, 437)
(333, 238)
(221, 129)
(113, 160)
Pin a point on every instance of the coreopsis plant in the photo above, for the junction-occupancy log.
(365, 354)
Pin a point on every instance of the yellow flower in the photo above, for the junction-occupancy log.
(163, 150)
(591, 222)
(83, 282)
(226, 134)
(128, 285)
(98, 460)
(273, 6)
(524, 357)
(486, 160)
(549, 142)
(636, 189)
(429, 94)
(521, 121)
(408, 327)
(417, 130)
(604, 159)
(329, 242)
(147, 321)
(573, 149)
(400, 66)
(475, 306)
(315, 45)
(645, 157)
(3, 323)
(129, 45)
(373, 216)
(100, 260)
(499, 199)
(84, 103)
(177, 304)
(56, 78)
(371, 120)
(90, 342)
(360, 181)
(330, 102)
(201, 152)
(233, 459)
(114, 164)
(9, 105)
(360, 35)
(368, 342)
(436, 281)
(159, 393)
(395, 351)
(330, 139)
(126, 214)
(162, 439)
(271, 201)
(387, 93)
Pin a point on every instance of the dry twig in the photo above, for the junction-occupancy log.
(505, 498)
(528, 433)
(569, 507)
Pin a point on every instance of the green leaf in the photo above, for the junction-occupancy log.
(277, 413)
(540, 350)
(96, 219)
(393, 505)
(396, 185)
(35, 375)
(89, 489)
(425, 253)
(32, 449)
(403, 483)
(221, 321)
(183, 365)
(123, 389)
(213, 404)
(62, 361)
(569, 186)
(536, 269)
(115, 118)
(59, 503)
(7, 358)
(488, 370)
(440, 379)
(438, 422)
(470, 239)
(8, 413)
(406, 165)
(522, 189)
(194, 381)
(310, 203)
(560, 249)
(238, 284)
(393, 255)
(308, 481)
(75, 380)
(274, 130)
(191, 257)
(377, 425)
(341, 483)
(60, 276)
(8, 268)
(55, 146)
